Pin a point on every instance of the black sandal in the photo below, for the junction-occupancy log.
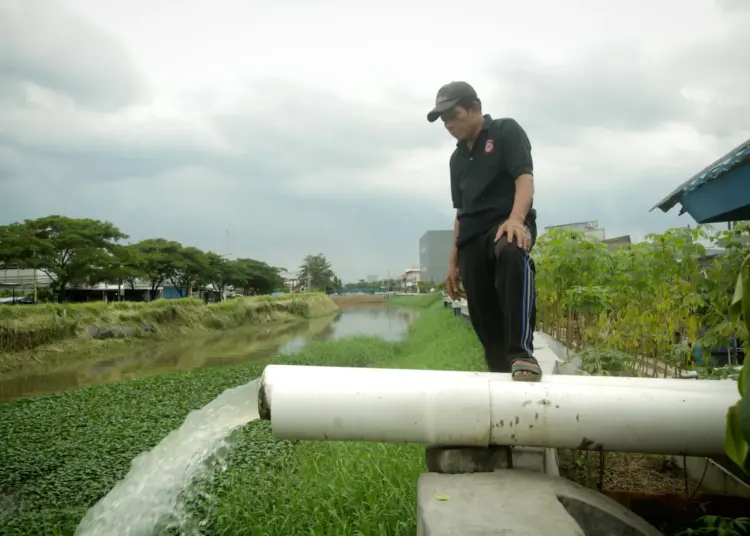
(526, 365)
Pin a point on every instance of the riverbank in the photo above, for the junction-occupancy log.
(416, 301)
(351, 300)
(64, 452)
(34, 336)
(117, 360)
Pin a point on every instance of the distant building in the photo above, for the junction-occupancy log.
(590, 228)
(434, 254)
(372, 279)
(23, 278)
(618, 242)
(410, 279)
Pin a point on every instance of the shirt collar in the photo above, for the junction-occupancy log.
(485, 127)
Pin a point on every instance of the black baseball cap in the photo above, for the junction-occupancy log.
(448, 96)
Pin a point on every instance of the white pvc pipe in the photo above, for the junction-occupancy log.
(677, 384)
(476, 409)
(381, 405)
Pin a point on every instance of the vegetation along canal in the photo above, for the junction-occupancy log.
(225, 348)
(83, 461)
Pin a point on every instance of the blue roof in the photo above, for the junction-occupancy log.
(723, 167)
(735, 158)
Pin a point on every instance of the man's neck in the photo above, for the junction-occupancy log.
(474, 135)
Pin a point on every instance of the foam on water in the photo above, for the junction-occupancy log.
(149, 495)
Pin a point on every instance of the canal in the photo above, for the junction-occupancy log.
(225, 348)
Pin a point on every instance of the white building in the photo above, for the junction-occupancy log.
(23, 278)
(590, 228)
(410, 279)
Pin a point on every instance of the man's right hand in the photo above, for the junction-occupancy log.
(452, 280)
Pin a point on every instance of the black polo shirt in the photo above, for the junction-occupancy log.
(483, 180)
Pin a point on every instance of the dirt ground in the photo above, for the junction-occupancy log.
(624, 472)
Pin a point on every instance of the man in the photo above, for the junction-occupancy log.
(492, 186)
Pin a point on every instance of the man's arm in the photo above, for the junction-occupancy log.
(456, 195)
(454, 249)
(524, 197)
(451, 278)
(518, 162)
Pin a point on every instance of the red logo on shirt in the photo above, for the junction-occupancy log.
(489, 146)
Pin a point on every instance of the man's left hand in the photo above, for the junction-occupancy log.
(517, 233)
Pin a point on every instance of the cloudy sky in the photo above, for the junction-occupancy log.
(300, 127)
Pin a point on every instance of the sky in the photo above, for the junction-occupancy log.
(274, 130)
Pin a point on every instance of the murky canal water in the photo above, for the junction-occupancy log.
(217, 349)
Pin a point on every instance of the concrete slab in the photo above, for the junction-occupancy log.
(544, 354)
(519, 503)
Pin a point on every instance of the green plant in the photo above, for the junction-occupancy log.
(607, 362)
(737, 441)
(653, 303)
(63, 452)
(417, 301)
(719, 526)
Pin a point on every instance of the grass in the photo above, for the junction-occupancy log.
(63, 452)
(419, 301)
(31, 333)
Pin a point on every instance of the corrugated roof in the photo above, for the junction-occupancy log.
(722, 166)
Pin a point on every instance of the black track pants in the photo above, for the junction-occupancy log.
(499, 282)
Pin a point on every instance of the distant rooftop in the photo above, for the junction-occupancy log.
(618, 241)
(589, 224)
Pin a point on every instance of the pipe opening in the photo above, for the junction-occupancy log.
(264, 404)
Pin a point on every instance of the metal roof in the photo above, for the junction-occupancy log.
(722, 166)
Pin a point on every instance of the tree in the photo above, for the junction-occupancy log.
(222, 272)
(319, 271)
(191, 266)
(157, 259)
(256, 277)
(69, 251)
(122, 267)
(15, 245)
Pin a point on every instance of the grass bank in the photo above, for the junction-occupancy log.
(64, 452)
(417, 301)
(31, 334)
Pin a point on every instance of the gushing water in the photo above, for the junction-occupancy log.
(149, 495)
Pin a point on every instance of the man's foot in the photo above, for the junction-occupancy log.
(526, 370)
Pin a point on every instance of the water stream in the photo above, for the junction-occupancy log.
(148, 497)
